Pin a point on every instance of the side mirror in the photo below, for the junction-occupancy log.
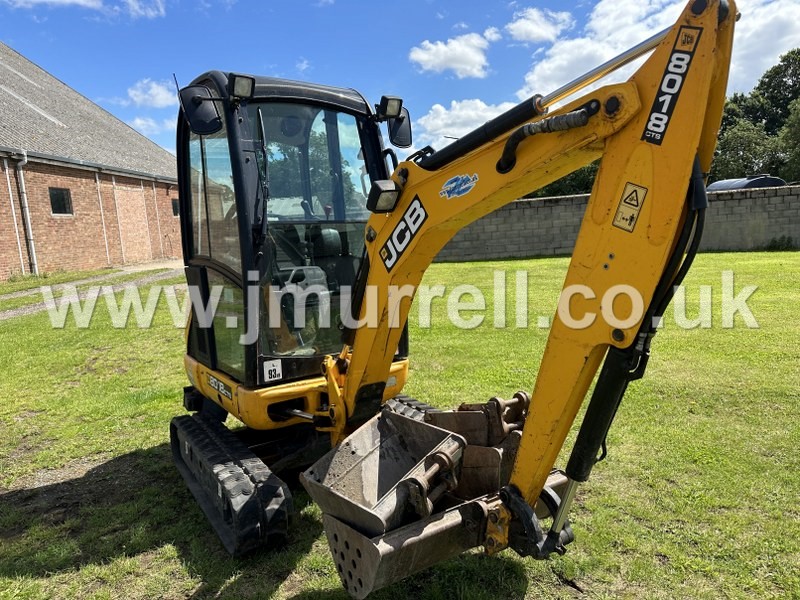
(200, 110)
(400, 129)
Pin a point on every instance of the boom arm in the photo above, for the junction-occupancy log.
(655, 134)
(619, 134)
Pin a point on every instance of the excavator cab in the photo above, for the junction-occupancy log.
(273, 183)
(273, 190)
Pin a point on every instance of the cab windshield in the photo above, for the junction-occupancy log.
(313, 176)
(315, 167)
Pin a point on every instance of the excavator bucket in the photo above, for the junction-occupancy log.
(377, 491)
(401, 494)
(384, 471)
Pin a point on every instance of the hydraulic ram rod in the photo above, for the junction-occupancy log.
(604, 69)
(532, 107)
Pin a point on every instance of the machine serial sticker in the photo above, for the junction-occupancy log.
(221, 387)
(629, 206)
(458, 186)
(671, 85)
(403, 233)
(273, 371)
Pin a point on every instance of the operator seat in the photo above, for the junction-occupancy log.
(326, 249)
(289, 249)
(348, 264)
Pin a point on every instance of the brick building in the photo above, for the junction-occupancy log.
(79, 189)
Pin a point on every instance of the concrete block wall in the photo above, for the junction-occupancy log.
(736, 220)
(751, 219)
(115, 220)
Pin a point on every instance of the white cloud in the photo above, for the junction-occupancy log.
(767, 29)
(626, 24)
(302, 65)
(765, 32)
(492, 34)
(612, 28)
(148, 10)
(536, 25)
(564, 61)
(149, 126)
(440, 124)
(465, 55)
(93, 4)
(154, 94)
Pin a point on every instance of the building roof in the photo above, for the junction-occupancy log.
(46, 118)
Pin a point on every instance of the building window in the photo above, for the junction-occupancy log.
(175, 208)
(60, 201)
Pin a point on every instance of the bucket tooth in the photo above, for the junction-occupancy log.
(248, 506)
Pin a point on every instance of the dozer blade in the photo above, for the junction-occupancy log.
(248, 506)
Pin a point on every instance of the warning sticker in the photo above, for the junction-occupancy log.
(629, 206)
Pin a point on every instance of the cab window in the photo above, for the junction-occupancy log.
(215, 231)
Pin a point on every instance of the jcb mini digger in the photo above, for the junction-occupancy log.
(303, 250)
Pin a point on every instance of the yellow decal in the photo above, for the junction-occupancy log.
(687, 39)
(629, 206)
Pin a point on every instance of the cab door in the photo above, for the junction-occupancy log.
(212, 252)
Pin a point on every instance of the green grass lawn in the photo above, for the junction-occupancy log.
(698, 497)
(36, 298)
(17, 283)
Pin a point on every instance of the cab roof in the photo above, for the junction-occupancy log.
(274, 88)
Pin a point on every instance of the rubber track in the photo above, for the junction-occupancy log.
(248, 506)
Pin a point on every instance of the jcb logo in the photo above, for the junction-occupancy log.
(402, 235)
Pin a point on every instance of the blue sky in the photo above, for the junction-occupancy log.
(456, 63)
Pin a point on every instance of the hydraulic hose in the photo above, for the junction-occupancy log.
(577, 118)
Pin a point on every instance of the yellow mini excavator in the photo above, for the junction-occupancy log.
(297, 236)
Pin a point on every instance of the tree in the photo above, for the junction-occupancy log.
(779, 86)
(745, 149)
(287, 175)
(790, 143)
(752, 107)
(577, 182)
